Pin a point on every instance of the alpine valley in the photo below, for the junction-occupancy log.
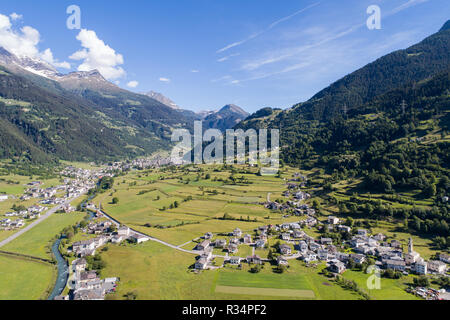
(93, 208)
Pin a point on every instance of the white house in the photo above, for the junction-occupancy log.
(286, 236)
(437, 266)
(247, 239)
(139, 238)
(260, 244)
(285, 249)
(336, 266)
(421, 267)
(333, 220)
(201, 264)
(281, 261)
(322, 254)
(124, 231)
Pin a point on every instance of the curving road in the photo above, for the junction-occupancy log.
(117, 223)
(196, 252)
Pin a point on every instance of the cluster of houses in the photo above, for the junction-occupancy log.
(299, 245)
(71, 188)
(79, 174)
(34, 191)
(87, 285)
(391, 255)
(297, 207)
(8, 224)
(33, 212)
(139, 164)
(89, 247)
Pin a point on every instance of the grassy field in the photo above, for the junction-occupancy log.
(36, 241)
(154, 271)
(142, 197)
(270, 292)
(391, 289)
(16, 185)
(24, 279)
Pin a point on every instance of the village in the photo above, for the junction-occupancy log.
(278, 245)
(286, 242)
(84, 283)
(79, 183)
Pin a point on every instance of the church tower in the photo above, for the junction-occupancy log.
(410, 246)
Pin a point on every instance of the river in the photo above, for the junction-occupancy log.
(63, 267)
(63, 271)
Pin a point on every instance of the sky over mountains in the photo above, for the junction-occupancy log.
(204, 54)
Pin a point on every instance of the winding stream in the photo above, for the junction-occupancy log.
(63, 271)
(63, 267)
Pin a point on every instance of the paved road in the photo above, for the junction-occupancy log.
(35, 223)
(117, 223)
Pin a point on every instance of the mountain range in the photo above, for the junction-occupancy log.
(78, 116)
(163, 99)
(82, 116)
(226, 118)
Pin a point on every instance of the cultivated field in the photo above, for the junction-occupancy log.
(201, 202)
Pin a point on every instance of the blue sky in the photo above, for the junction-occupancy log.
(204, 54)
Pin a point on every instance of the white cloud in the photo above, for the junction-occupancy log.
(195, 71)
(132, 84)
(47, 56)
(228, 57)
(24, 42)
(278, 55)
(283, 54)
(270, 27)
(164, 79)
(224, 78)
(406, 5)
(98, 55)
(14, 16)
(21, 42)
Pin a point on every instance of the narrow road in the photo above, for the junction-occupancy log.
(117, 223)
(35, 223)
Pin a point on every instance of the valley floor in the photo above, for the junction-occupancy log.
(178, 207)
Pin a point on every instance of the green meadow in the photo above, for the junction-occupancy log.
(145, 199)
(390, 289)
(153, 271)
(25, 279)
(37, 241)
